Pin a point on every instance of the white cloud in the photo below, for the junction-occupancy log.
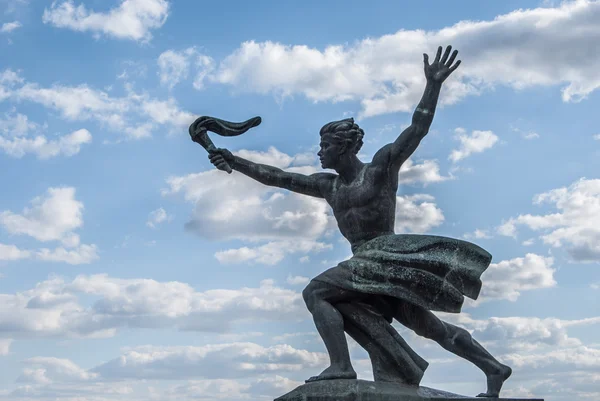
(272, 157)
(270, 253)
(174, 66)
(477, 142)
(426, 172)
(385, 73)
(576, 224)
(576, 358)
(52, 378)
(297, 280)
(157, 217)
(167, 112)
(507, 228)
(528, 242)
(45, 370)
(134, 116)
(51, 217)
(15, 127)
(206, 390)
(10, 77)
(205, 66)
(8, 27)
(218, 361)
(82, 254)
(597, 137)
(11, 252)
(78, 102)
(508, 278)
(67, 145)
(76, 391)
(532, 135)
(16, 124)
(132, 19)
(417, 213)
(5, 346)
(140, 131)
(54, 307)
(525, 334)
(526, 134)
(478, 234)
(274, 385)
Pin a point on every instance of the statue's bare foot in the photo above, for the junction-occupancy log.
(334, 372)
(495, 382)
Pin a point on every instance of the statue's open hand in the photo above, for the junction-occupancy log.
(220, 157)
(441, 68)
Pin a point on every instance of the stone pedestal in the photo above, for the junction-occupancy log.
(363, 390)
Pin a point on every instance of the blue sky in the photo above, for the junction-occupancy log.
(132, 269)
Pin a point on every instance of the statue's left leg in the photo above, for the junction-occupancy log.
(456, 340)
(319, 297)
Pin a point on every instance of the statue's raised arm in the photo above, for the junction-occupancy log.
(396, 153)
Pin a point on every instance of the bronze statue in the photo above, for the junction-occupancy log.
(389, 276)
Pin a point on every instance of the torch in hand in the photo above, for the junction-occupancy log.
(199, 131)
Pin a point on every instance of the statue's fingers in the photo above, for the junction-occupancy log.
(426, 59)
(216, 159)
(446, 54)
(221, 165)
(452, 57)
(438, 54)
(455, 66)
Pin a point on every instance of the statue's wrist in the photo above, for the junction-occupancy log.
(434, 82)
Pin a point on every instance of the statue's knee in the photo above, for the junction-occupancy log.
(458, 336)
(308, 294)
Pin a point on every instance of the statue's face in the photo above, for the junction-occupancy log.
(330, 152)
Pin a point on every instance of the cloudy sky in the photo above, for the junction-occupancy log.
(131, 269)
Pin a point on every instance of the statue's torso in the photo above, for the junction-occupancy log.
(365, 208)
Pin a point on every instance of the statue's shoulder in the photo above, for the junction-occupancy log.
(324, 178)
(325, 181)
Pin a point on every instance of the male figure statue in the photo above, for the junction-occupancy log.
(409, 275)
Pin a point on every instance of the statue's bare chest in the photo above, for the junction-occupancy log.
(360, 193)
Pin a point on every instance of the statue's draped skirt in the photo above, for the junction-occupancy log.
(430, 271)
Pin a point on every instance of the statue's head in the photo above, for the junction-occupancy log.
(339, 139)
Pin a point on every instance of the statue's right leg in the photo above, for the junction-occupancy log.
(456, 340)
(391, 357)
(319, 297)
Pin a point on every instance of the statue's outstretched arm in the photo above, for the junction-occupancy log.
(403, 147)
(312, 185)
